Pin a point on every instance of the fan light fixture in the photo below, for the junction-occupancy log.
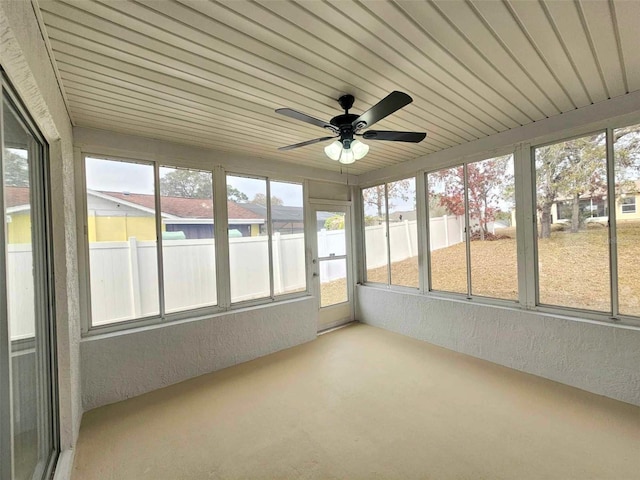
(347, 152)
(344, 147)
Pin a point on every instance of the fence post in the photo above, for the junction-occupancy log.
(277, 264)
(461, 229)
(445, 222)
(135, 276)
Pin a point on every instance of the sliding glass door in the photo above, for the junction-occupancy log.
(27, 427)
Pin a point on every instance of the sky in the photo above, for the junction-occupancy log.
(115, 176)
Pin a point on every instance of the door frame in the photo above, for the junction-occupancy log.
(342, 313)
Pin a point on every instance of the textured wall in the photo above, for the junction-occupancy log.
(602, 359)
(24, 57)
(122, 365)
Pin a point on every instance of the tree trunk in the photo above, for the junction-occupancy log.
(575, 214)
(545, 221)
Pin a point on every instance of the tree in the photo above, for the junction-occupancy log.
(374, 196)
(236, 195)
(570, 170)
(194, 184)
(261, 199)
(335, 222)
(16, 169)
(186, 184)
(487, 183)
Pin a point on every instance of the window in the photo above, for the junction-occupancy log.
(483, 261)
(391, 240)
(123, 248)
(265, 259)
(626, 151)
(188, 249)
(573, 253)
(288, 245)
(403, 233)
(628, 204)
(492, 246)
(447, 237)
(28, 439)
(130, 213)
(375, 234)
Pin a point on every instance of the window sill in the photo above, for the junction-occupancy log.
(141, 325)
(558, 312)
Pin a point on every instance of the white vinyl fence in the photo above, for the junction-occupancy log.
(120, 271)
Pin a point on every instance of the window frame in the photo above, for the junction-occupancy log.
(44, 297)
(219, 174)
(612, 315)
(628, 204)
(363, 270)
(469, 295)
(272, 297)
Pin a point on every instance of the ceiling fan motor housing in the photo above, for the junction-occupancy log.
(344, 122)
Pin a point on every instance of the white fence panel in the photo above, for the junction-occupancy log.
(124, 278)
(20, 291)
(375, 238)
(331, 242)
(189, 273)
(111, 287)
(249, 262)
(290, 274)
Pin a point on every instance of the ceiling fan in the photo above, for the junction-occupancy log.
(347, 149)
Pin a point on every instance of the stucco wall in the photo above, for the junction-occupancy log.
(599, 358)
(122, 365)
(24, 57)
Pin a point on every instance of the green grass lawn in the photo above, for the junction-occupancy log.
(573, 269)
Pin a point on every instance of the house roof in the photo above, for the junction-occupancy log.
(16, 196)
(183, 207)
(279, 213)
(186, 73)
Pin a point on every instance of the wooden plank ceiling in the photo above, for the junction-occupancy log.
(212, 73)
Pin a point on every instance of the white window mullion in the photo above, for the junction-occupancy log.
(613, 232)
(221, 237)
(467, 233)
(422, 226)
(386, 223)
(269, 239)
(526, 231)
(158, 204)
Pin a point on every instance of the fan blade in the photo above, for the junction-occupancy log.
(303, 117)
(389, 104)
(304, 144)
(394, 136)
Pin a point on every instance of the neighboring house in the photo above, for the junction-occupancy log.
(18, 214)
(116, 216)
(287, 219)
(596, 206)
(284, 219)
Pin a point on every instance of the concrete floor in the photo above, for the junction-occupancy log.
(362, 403)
